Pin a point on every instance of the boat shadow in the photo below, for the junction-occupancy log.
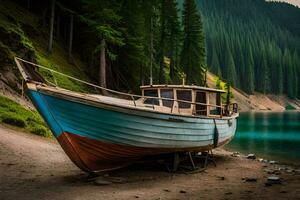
(152, 168)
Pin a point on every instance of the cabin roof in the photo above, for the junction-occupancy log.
(193, 87)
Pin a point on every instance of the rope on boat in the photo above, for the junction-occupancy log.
(76, 79)
(216, 134)
(132, 96)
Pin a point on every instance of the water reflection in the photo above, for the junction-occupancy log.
(269, 135)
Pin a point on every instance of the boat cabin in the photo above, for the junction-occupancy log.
(183, 99)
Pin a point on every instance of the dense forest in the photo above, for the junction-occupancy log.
(255, 45)
(252, 44)
(124, 43)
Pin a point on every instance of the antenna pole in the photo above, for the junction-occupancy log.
(151, 52)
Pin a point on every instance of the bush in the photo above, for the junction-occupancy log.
(13, 119)
(40, 130)
(289, 107)
(35, 119)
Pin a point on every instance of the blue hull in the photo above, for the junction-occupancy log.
(129, 127)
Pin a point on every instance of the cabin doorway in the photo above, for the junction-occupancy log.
(201, 98)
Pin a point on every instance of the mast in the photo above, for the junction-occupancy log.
(151, 52)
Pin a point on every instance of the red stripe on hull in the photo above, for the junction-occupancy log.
(93, 155)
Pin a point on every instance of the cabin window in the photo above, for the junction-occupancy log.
(184, 95)
(151, 101)
(167, 93)
(214, 99)
(201, 98)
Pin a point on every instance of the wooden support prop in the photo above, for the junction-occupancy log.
(176, 162)
(192, 161)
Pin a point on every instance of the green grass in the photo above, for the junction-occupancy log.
(59, 62)
(11, 26)
(14, 114)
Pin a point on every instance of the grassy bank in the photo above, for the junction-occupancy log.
(14, 114)
(23, 35)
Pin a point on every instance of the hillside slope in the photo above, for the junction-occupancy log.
(22, 35)
(258, 101)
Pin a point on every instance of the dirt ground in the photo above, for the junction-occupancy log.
(32, 167)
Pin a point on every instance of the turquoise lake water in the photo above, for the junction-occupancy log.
(272, 136)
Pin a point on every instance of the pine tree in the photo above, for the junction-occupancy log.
(133, 52)
(230, 74)
(170, 37)
(296, 66)
(290, 78)
(280, 78)
(151, 10)
(263, 75)
(163, 39)
(249, 72)
(240, 64)
(104, 22)
(193, 55)
(175, 39)
(215, 64)
(265, 87)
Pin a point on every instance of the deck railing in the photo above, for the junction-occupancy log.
(226, 110)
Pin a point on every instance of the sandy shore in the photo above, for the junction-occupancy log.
(32, 167)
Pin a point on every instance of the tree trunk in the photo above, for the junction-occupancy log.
(162, 42)
(65, 35)
(110, 80)
(51, 26)
(44, 17)
(161, 71)
(102, 70)
(58, 26)
(71, 37)
(205, 78)
(28, 4)
(142, 75)
(172, 70)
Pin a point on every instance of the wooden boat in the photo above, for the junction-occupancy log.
(100, 132)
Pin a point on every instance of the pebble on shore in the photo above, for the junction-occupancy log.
(273, 180)
(251, 156)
